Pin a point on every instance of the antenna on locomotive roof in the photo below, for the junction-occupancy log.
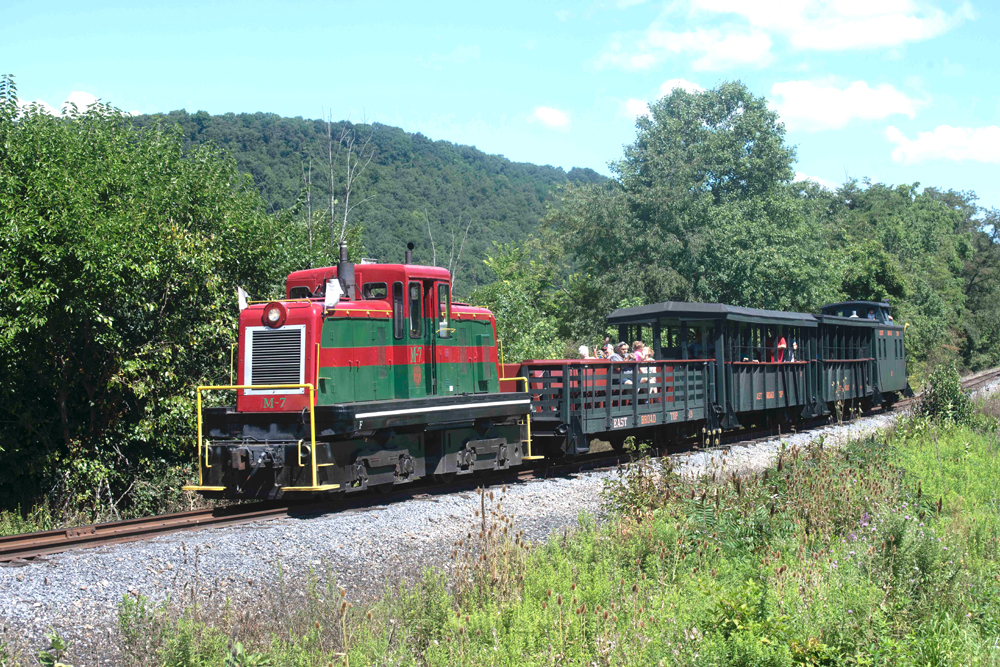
(409, 253)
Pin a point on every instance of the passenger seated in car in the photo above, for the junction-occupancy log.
(623, 355)
(647, 356)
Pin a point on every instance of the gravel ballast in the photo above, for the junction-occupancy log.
(78, 592)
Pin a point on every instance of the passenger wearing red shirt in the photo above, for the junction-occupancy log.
(782, 346)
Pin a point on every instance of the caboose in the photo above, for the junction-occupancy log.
(364, 376)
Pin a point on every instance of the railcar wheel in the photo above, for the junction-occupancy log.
(383, 488)
(445, 477)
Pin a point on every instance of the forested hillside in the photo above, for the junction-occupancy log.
(410, 177)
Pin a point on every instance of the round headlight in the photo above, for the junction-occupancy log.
(274, 315)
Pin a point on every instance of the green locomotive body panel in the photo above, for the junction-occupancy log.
(369, 364)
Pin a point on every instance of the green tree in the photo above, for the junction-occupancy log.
(759, 253)
(701, 209)
(119, 259)
(521, 298)
(693, 152)
(870, 273)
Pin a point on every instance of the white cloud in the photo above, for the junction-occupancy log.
(564, 15)
(552, 117)
(838, 25)
(717, 49)
(670, 84)
(642, 61)
(45, 106)
(978, 144)
(712, 49)
(829, 185)
(749, 27)
(81, 99)
(635, 108)
(811, 105)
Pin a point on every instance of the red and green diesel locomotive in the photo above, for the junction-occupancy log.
(366, 375)
(370, 376)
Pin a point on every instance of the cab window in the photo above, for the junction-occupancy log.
(374, 291)
(444, 311)
(416, 310)
(398, 320)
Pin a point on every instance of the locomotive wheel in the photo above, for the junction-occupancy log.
(445, 477)
(384, 488)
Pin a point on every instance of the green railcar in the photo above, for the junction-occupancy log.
(719, 367)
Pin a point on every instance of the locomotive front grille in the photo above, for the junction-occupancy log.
(275, 356)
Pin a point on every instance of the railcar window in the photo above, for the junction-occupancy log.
(416, 311)
(374, 291)
(397, 311)
(444, 311)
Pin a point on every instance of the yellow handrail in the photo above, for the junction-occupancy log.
(312, 431)
(232, 351)
(281, 299)
(529, 457)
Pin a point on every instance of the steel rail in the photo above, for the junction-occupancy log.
(33, 545)
(29, 546)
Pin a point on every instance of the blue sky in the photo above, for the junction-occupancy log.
(895, 90)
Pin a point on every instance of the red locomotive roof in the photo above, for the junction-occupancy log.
(364, 273)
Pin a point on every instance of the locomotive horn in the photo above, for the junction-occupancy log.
(345, 272)
(409, 253)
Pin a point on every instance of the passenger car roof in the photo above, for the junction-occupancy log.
(684, 310)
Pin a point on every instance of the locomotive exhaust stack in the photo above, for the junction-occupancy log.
(345, 272)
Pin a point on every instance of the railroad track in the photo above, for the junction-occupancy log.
(32, 546)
